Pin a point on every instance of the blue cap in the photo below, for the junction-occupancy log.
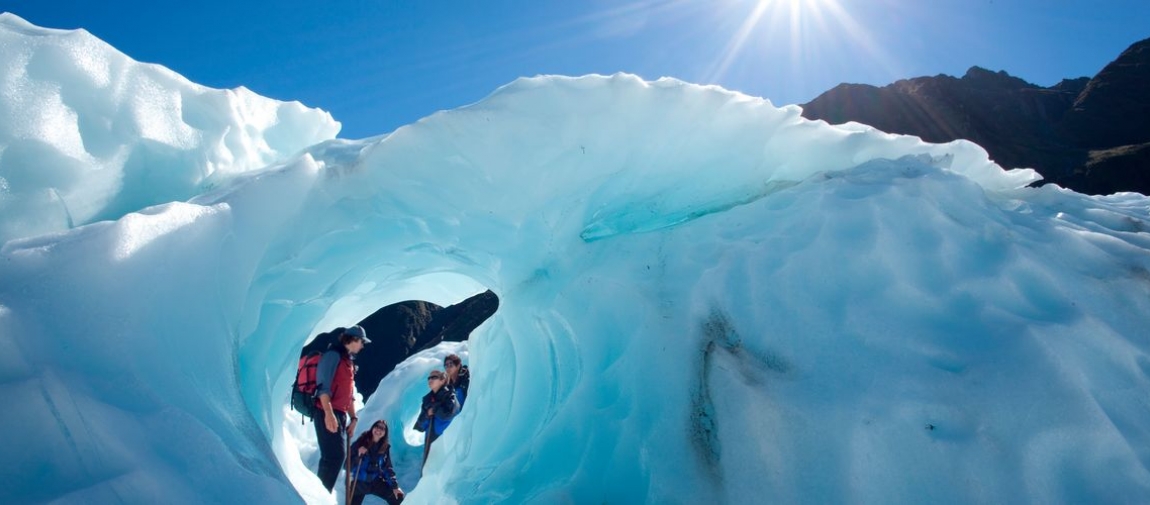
(357, 332)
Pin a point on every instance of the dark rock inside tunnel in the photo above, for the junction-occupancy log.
(402, 329)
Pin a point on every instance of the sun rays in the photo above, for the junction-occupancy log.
(807, 32)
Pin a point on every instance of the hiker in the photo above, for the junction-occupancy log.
(439, 406)
(458, 377)
(374, 473)
(335, 407)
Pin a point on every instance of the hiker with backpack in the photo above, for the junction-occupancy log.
(438, 408)
(458, 377)
(374, 473)
(334, 408)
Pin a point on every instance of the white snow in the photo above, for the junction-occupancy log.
(89, 134)
(703, 298)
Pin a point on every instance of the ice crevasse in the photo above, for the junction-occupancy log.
(703, 297)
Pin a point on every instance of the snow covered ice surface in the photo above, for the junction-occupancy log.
(89, 134)
(703, 298)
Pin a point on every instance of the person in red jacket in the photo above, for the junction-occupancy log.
(335, 389)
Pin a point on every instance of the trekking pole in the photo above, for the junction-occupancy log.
(355, 479)
(427, 442)
(347, 474)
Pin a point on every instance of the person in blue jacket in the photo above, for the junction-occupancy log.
(458, 377)
(438, 408)
(374, 473)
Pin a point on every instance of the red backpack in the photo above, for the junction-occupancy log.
(303, 391)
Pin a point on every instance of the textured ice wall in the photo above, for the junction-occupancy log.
(90, 134)
(703, 298)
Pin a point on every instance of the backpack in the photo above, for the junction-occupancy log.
(303, 391)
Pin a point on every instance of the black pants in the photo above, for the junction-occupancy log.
(378, 488)
(331, 450)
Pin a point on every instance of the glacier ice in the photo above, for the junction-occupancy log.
(89, 134)
(703, 298)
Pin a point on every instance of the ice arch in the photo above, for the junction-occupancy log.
(703, 297)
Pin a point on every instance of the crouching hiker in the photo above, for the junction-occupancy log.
(439, 406)
(374, 473)
(335, 389)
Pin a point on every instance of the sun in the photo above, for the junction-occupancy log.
(796, 24)
(769, 12)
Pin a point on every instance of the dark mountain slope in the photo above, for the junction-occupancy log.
(405, 328)
(1055, 130)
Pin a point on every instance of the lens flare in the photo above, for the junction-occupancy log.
(804, 27)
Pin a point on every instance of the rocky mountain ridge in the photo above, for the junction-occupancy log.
(1088, 134)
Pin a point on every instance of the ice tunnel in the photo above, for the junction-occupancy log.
(703, 297)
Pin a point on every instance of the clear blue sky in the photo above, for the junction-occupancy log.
(379, 64)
